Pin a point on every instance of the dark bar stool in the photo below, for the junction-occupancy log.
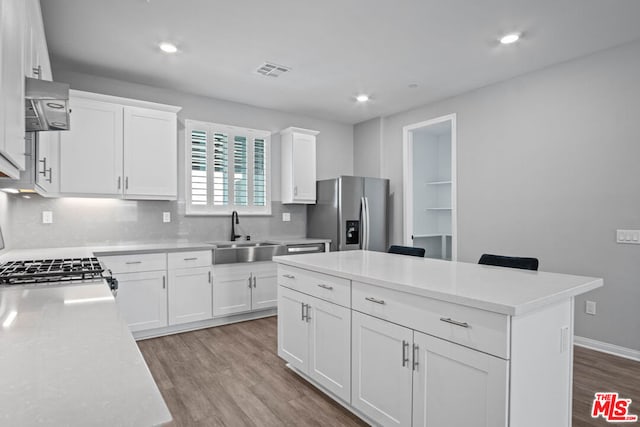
(509, 261)
(406, 250)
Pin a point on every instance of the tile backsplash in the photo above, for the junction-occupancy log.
(95, 222)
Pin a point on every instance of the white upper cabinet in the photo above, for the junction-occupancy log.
(12, 52)
(116, 149)
(150, 154)
(298, 147)
(91, 152)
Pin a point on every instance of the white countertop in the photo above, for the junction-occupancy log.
(502, 290)
(68, 358)
(135, 248)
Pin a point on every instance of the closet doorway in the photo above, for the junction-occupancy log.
(429, 157)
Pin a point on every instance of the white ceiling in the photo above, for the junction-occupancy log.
(336, 48)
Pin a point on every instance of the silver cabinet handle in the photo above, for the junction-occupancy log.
(119, 182)
(289, 276)
(37, 71)
(416, 357)
(164, 282)
(250, 285)
(405, 356)
(377, 301)
(209, 277)
(191, 259)
(126, 183)
(302, 310)
(45, 170)
(455, 322)
(133, 262)
(295, 190)
(307, 315)
(323, 286)
(254, 281)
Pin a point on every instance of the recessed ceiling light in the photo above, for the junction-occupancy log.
(362, 98)
(510, 38)
(168, 47)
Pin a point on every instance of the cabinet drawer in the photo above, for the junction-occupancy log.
(471, 327)
(189, 259)
(135, 263)
(330, 288)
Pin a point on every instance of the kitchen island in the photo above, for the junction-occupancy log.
(410, 341)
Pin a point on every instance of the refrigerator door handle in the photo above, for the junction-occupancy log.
(363, 223)
(368, 224)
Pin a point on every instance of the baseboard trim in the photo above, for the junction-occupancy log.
(616, 350)
(203, 324)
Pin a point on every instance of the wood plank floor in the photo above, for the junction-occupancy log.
(232, 376)
(594, 371)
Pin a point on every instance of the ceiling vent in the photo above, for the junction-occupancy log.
(272, 70)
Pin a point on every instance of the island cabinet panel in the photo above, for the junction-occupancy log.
(381, 370)
(314, 336)
(457, 386)
(324, 286)
(468, 326)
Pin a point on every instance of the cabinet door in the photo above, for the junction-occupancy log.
(381, 370)
(91, 152)
(231, 289)
(150, 154)
(142, 299)
(304, 167)
(189, 295)
(293, 329)
(265, 286)
(48, 166)
(457, 386)
(12, 51)
(330, 347)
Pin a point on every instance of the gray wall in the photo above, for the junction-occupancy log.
(94, 221)
(547, 167)
(366, 148)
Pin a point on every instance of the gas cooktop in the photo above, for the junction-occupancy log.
(43, 271)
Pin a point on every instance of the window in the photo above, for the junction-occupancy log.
(227, 169)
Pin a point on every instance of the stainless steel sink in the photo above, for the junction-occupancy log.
(231, 253)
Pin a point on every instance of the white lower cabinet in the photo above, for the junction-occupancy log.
(402, 377)
(190, 292)
(142, 299)
(314, 336)
(381, 370)
(243, 287)
(457, 386)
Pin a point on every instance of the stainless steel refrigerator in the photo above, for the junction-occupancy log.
(352, 211)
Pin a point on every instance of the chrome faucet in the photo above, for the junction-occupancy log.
(234, 221)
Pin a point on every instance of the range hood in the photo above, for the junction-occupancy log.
(46, 105)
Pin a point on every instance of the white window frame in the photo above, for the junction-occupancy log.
(232, 131)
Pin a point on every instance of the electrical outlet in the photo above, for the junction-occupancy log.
(47, 217)
(286, 216)
(166, 216)
(628, 236)
(590, 307)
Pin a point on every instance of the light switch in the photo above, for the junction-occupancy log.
(47, 217)
(166, 216)
(590, 307)
(628, 236)
(286, 216)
